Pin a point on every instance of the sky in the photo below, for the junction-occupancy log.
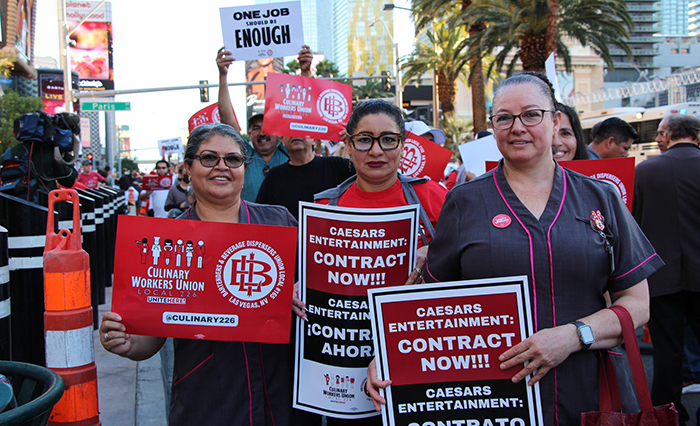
(160, 44)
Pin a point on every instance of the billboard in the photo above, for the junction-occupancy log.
(51, 90)
(91, 44)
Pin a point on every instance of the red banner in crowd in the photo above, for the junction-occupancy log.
(155, 182)
(343, 252)
(180, 278)
(209, 114)
(440, 343)
(306, 107)
(618, 172)
(422, 157)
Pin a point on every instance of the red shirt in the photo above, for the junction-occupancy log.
(430, 194)
(91, 180)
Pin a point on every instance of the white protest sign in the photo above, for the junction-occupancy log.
(261, 31)
(171, 146)
(550, 68)
(476, 153)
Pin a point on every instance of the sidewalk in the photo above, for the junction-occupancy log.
(130, 393)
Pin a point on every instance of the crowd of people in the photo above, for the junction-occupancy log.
(572, 236)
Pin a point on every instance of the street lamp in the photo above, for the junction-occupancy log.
(392, 6)
(399, 89)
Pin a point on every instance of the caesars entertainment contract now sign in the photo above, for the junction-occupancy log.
(263, 31)
(204, 280)
(306, 107)
(343, 252)
(439, 345)
(422, 157)
(618, 172)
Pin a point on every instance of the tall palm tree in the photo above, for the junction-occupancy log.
(424, 11)
(530, 30)
(444, 54)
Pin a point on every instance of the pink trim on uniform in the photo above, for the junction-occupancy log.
(267, 400)
(250, 393)
(631, 270)
(192, 370)
(551, 286)
(532, 264)
(428, 271)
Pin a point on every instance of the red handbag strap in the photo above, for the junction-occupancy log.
(634, 357)
(609, 392)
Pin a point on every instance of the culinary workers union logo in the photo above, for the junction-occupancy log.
(332, 106)
(250, 272)
(413, 159)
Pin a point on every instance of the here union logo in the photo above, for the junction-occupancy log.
(250, 273)
(332, 106)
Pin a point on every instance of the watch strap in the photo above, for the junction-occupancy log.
(578, 325)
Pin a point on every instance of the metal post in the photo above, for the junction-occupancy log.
(399, 88)
(63, 46)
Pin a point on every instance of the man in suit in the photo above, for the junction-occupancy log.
(666, 206)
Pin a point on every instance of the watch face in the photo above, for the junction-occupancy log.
(586, 334)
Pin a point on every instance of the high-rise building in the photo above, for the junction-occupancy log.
(317, 21)
(646, 17)
(370, 48)
(694, 18)
(674, 17)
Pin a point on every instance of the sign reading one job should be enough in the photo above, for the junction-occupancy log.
(261, 31)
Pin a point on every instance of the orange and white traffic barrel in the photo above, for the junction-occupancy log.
(68, 321)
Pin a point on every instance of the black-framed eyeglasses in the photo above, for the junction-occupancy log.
(364, 141)
(529, 118)
(232, 161)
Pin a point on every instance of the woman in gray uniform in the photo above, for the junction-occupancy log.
(215, 382)
(571, 235)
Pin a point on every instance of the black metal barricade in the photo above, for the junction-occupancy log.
(5, 332)
(26, 226)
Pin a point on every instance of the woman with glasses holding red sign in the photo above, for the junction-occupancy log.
(571, 235)
(375, 143)
(217, 382)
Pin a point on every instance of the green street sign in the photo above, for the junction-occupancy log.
(105, 106)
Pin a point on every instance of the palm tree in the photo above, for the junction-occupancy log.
(425, 10)
(443, 55)
(371, 90)
(530, 30)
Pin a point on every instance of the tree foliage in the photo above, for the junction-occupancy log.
(12, 105)
(444, 55)
(292, 67)
(530, 30)
(327, 69)
(372, 89)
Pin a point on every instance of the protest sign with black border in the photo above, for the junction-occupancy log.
(439, 345)
(343, 252)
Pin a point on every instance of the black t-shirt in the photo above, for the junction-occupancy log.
(286, 185)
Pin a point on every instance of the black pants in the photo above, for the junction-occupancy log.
(668, 314)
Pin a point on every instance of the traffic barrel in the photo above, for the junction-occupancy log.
(68, 319)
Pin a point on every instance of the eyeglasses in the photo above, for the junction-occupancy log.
(529, 118)
(365, 142)
(210, 160)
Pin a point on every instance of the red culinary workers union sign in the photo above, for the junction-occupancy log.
(439, 345)
(204, 280)
(306, 107)
(618, 172)
(208, 114)
(422, 157)
(155, 182)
